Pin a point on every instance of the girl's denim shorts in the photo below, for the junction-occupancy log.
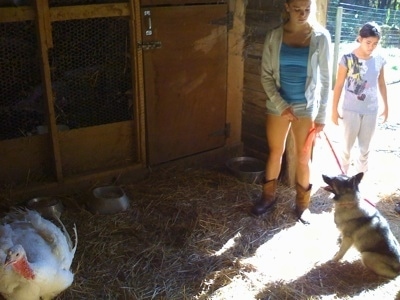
(300, 110)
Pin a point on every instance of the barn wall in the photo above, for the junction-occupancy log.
(261, 16)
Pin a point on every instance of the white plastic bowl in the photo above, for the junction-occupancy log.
(247, 169)
(108, 200)
(48, 207)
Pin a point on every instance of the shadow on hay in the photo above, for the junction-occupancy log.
(340, 279)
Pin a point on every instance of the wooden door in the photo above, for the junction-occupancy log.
(185, 78)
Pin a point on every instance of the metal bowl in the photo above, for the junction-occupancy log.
(48, 207)
(108, 200)
(247, 169)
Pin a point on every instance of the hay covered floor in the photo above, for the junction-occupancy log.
(189, 235)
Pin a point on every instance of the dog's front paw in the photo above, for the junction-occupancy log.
(338, 256)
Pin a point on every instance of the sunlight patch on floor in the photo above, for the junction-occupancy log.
(228, 245)
(294, 251)
(290, 254)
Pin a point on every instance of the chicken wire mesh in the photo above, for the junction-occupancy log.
(19, 74)
(90, 72)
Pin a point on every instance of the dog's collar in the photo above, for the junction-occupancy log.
(345, 204)
(352, 204)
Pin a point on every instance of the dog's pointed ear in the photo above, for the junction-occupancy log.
(356, 179)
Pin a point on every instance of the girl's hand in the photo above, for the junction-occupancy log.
(318, 127)
(335, 117)
(385, 115)
(289, 114)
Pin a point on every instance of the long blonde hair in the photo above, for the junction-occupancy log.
(285, 14)
(312, 19)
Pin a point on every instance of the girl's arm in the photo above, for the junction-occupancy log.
(325, 77)
(267, 75)
(383, 92)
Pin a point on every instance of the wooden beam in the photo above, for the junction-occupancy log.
(63, 13)
(235, 71)
(16, 14)
(43, 25)
(146, 3)
(89, 11)
(138, 80)
(322, 11)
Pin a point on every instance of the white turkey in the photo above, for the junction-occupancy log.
(35, 256)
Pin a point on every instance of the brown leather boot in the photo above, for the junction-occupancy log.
(267, 199)
(302, 202)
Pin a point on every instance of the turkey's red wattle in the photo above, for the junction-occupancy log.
(22, 267)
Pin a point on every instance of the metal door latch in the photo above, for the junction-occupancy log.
(149, 45)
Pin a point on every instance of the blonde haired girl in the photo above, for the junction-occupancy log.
(295, 60)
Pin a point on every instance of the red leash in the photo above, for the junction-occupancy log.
(338, 162)
(334, 153)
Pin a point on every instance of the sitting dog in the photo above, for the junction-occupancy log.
(361, 225)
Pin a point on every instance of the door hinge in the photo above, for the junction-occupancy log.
(226, 131)
(149, 45)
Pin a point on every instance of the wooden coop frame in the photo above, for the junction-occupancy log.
(16, 166)
(44, 16)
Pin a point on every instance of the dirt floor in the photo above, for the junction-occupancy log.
(188, 234)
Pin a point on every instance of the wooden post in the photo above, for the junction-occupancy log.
(235, 71)
(338, 31)
(322, 9)
(137, 78)
(43, 24)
